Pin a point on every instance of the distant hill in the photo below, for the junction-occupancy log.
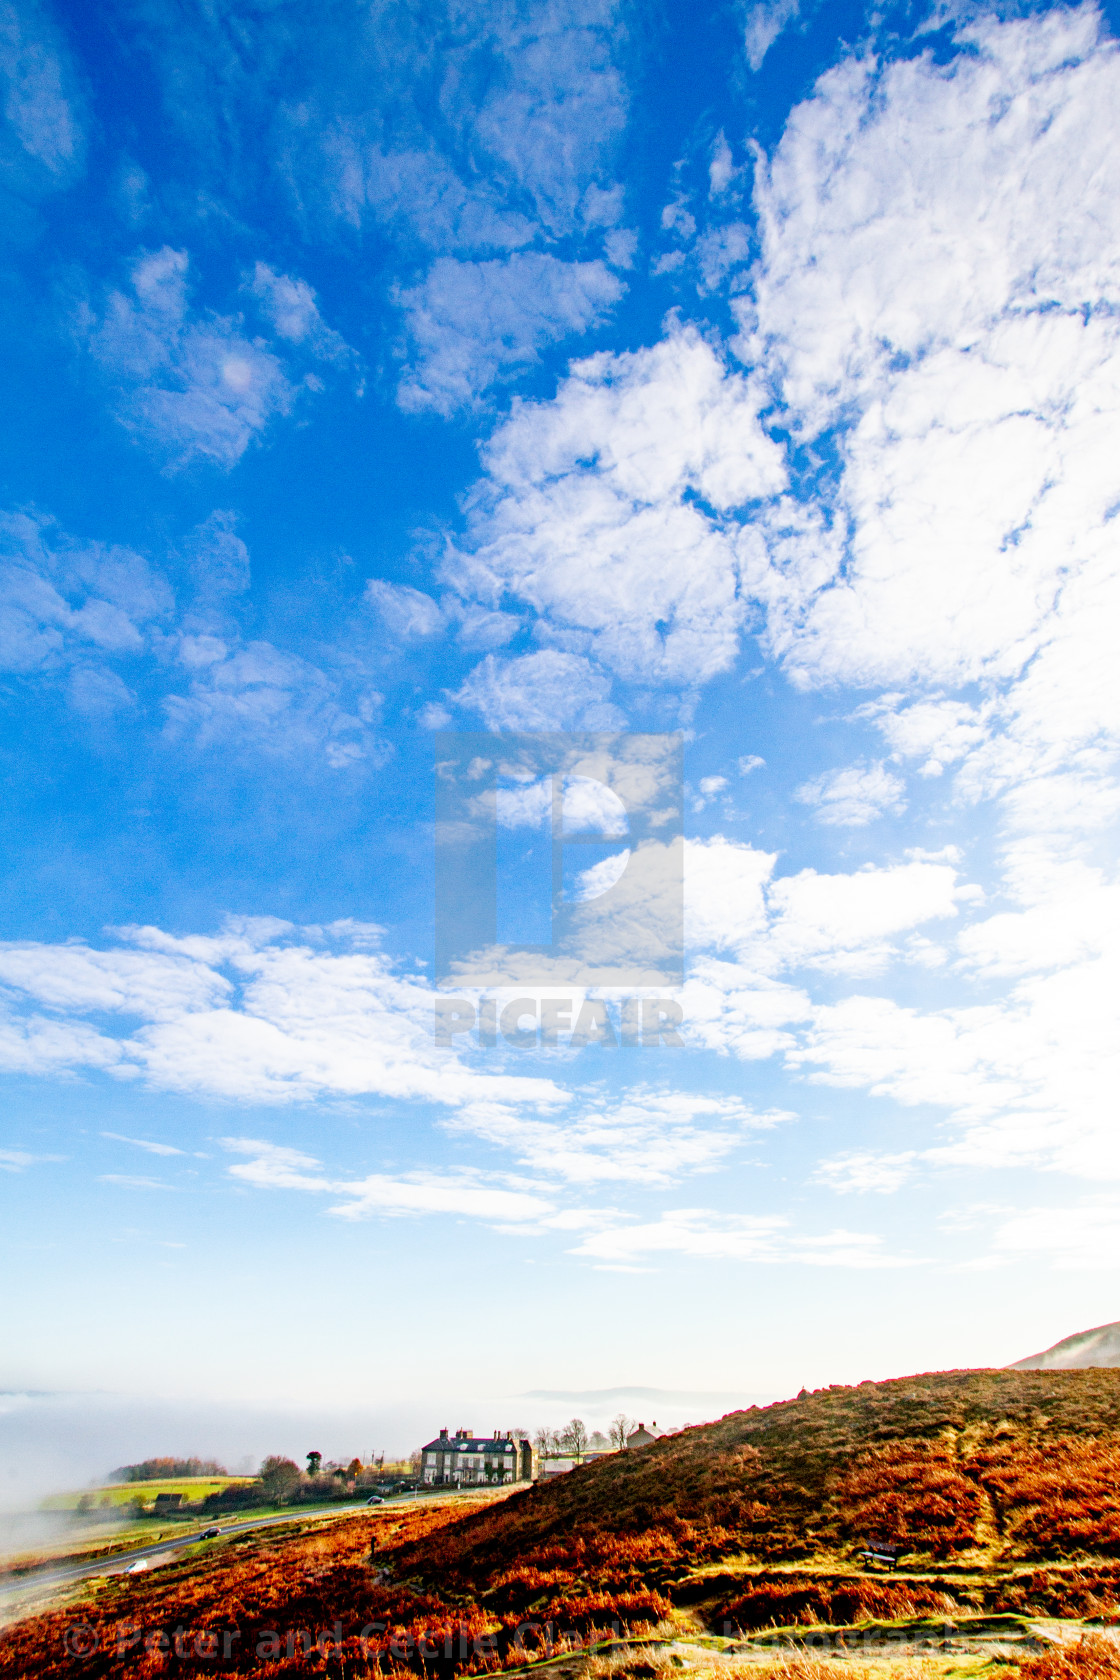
(1088, 1349)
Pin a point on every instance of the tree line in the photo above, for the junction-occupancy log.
(166, 1469)
(573, 1440)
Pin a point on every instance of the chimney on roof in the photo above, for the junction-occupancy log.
(443, 1434)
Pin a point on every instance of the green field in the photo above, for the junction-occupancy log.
(192, 1488)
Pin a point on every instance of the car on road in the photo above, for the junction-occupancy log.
(211, 1533)
(375, 1499)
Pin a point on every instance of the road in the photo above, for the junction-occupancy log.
(30, 1582)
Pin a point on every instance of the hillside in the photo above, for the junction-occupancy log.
(1001, 1487)
(992, 1468)
(1088, 1349)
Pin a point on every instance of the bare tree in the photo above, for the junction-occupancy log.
(621, 1426)
(279, 1477)
(574, 1439)
(545, 1441)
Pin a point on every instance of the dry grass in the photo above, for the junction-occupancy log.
(1092, 1658)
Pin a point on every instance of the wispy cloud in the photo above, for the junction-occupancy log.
(700, 1233)
(470, 323)
(852, 797)
(465, 1193)
(144, 1143)
(196, 385)
(42, 143)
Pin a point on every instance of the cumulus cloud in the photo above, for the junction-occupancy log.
(935, 302)
(936, 292)
(546, 690)
(258, 1013)
(608, 510)
(470, 323)
(843, 923)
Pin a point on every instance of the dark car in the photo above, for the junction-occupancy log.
(211, 1533)
(375, 1499)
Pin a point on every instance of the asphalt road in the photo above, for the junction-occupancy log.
(32, 1580)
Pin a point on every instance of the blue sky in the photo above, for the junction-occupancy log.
(748, 374)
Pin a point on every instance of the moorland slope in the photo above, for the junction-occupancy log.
(1001, 1487)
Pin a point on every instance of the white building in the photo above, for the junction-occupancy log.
(468, 1460)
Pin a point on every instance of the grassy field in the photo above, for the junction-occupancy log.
(192, 1488)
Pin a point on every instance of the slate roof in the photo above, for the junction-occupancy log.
(471, 1444)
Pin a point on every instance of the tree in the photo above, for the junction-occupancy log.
(354, 1468)
(314, 1459)
(621, 1426)
(546, 1442)
(162, 1469)
(278, 1477)
(573, 1439)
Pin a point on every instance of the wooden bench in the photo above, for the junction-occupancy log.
(886, 1555)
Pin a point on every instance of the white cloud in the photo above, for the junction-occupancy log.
(261, 697)
(862, 1170)
(763, 22)
(841, 923)
(702, 1234)
(854, 796)
(15, 1160)
(530, 105)
(721, 166)
(937, 287)
(407, 614)
(465, 1193)
(524, 804)
(78, 980)
(259, 1013)
(42, 146)
(939, 731)
(292, 309)
(62, 600)
(546, 690)
(593, 510)
(470, 323)
(129, 1182)
(218, 558)
(194, 384)
(936, 304)
(144, 1143)
(645, 1137)
(1027, 1078)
